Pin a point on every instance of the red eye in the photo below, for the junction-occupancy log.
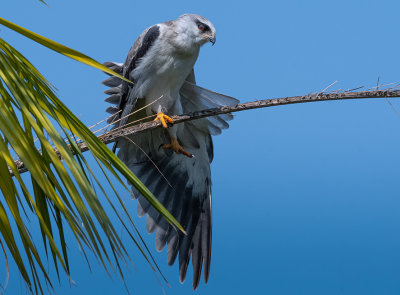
(201, 27)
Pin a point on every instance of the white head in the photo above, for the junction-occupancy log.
(195, 28)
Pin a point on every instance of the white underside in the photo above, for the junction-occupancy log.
(160, 76)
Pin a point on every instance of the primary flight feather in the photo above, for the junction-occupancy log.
(174, 162)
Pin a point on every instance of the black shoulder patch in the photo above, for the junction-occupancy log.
(148, 40)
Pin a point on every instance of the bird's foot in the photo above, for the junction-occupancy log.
(176, 147)
(164, 119)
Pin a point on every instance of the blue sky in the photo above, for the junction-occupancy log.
(306, 198)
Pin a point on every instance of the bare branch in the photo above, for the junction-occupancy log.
(115, 135)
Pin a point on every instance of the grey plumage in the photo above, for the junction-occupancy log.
(112, 81)
(160, 63)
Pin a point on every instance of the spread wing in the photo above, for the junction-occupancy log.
(120, 90)
(195, 98)
(181, 184)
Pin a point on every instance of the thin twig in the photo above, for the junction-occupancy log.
(131, 114)
(326, 88)
(148, 157)
(113, 136)
(392, 106)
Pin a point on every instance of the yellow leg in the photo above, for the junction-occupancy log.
(164, 119)
(176, 147)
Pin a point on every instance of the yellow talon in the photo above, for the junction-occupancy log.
(163, 118)
(176, 147)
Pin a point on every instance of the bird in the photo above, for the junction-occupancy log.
(173, 161)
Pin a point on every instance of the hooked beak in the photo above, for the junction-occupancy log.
(213, 39)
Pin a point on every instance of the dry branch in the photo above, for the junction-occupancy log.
(113, 136)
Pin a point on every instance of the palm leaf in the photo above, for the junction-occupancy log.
(62, 195)
(64, 50)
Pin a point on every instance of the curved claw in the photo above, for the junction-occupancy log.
(176, 147)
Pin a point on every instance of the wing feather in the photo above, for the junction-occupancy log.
(113, 99)
(197, 98)
(122, 88)
(186, 191)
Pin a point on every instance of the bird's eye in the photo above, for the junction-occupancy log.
(201, 27)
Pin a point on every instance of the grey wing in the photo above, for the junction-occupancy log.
(187, 191)
(181, 184)
(198, 133)
(196, 98)
(120, 90)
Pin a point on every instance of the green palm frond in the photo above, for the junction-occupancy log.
(64, 50)
(62, 196)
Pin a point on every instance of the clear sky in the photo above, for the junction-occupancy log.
(306, 198)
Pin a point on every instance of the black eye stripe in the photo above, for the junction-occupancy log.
(206, 27)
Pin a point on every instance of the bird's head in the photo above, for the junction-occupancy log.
(199, 29)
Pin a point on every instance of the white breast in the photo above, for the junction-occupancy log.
(162, 72)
